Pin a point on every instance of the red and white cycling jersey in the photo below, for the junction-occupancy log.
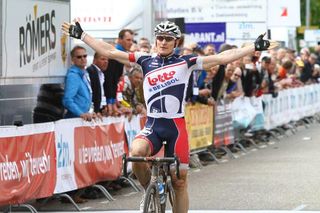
(165, 82)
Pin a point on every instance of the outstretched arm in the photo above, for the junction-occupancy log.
(226, 56)
(99, 46)
(234, 54)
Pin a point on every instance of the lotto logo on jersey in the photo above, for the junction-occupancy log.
(161, 78)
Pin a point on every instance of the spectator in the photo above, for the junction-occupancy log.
(96, 74)
(281, 53)
(265, 61)
(115, 70)
(205, 89)
(224, 47)
(250, 77)
(221, 81)
(132, 81)
(189, 49)
(234, 88)
(77, 97)
(144, 42)
(218, 80)
(268, 82)
(209, 49)
(284, 69)
(312, 59)
(145, 48)
(316, 73)
(306, 72)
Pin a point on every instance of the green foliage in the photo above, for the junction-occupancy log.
(314, 12)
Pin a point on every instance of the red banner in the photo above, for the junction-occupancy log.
(27, 163)
(98, 153)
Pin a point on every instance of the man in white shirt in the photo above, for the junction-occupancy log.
(95, 70)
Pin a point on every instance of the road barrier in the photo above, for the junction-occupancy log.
(40, 160)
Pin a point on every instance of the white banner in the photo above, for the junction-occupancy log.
(218, 10)
(64, 130)
(245, 30)
(312, 35)
(291, 105)
(33, 43)
(105, 15)
(283, 13)
(242, 112)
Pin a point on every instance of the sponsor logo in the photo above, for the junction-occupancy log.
(37, 37)
(161, 78)
(164, 85)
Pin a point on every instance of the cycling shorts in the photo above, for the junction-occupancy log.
(173, 131)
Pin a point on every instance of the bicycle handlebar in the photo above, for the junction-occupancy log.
(150, 160)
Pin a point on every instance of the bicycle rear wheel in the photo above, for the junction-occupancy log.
(151, 200)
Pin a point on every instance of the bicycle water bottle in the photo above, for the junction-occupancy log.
(161, 193)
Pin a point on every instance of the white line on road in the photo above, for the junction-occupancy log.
(86, 208)
(203, 211)
(299, 208)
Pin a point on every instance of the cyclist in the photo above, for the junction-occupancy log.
(165, 82)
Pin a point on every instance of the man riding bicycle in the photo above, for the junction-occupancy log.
(165, 82)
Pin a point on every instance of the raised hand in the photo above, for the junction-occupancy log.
(261, 44)
(73, 30)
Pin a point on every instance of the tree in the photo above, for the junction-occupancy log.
(314, 12)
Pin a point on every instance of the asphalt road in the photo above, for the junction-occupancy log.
(282, 176)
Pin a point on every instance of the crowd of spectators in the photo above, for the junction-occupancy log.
(117, 88)
(106, 87)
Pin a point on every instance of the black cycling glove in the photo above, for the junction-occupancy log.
(261, 44)
(75, 31)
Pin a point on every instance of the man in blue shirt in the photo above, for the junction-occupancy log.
(77, 97)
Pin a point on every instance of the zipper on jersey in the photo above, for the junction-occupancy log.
(161, 101)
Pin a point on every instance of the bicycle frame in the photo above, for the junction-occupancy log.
(152, 192)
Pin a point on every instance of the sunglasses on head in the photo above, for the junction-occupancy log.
(167, 38)
(81, 56)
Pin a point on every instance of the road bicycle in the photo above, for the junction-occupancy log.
(160, 174)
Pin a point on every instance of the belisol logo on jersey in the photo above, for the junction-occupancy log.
(162, 80)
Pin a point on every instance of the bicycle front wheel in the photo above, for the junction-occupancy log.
(172, 195)
(151, 200)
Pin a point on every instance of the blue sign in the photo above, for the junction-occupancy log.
(207, 33)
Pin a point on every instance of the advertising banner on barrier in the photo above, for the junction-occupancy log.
(88, 152)
(64, 130)
(291, 105)
(258, 121)
(243, 112)
(27, 163)
(199, 121)
(98, 153)
(223, 131)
